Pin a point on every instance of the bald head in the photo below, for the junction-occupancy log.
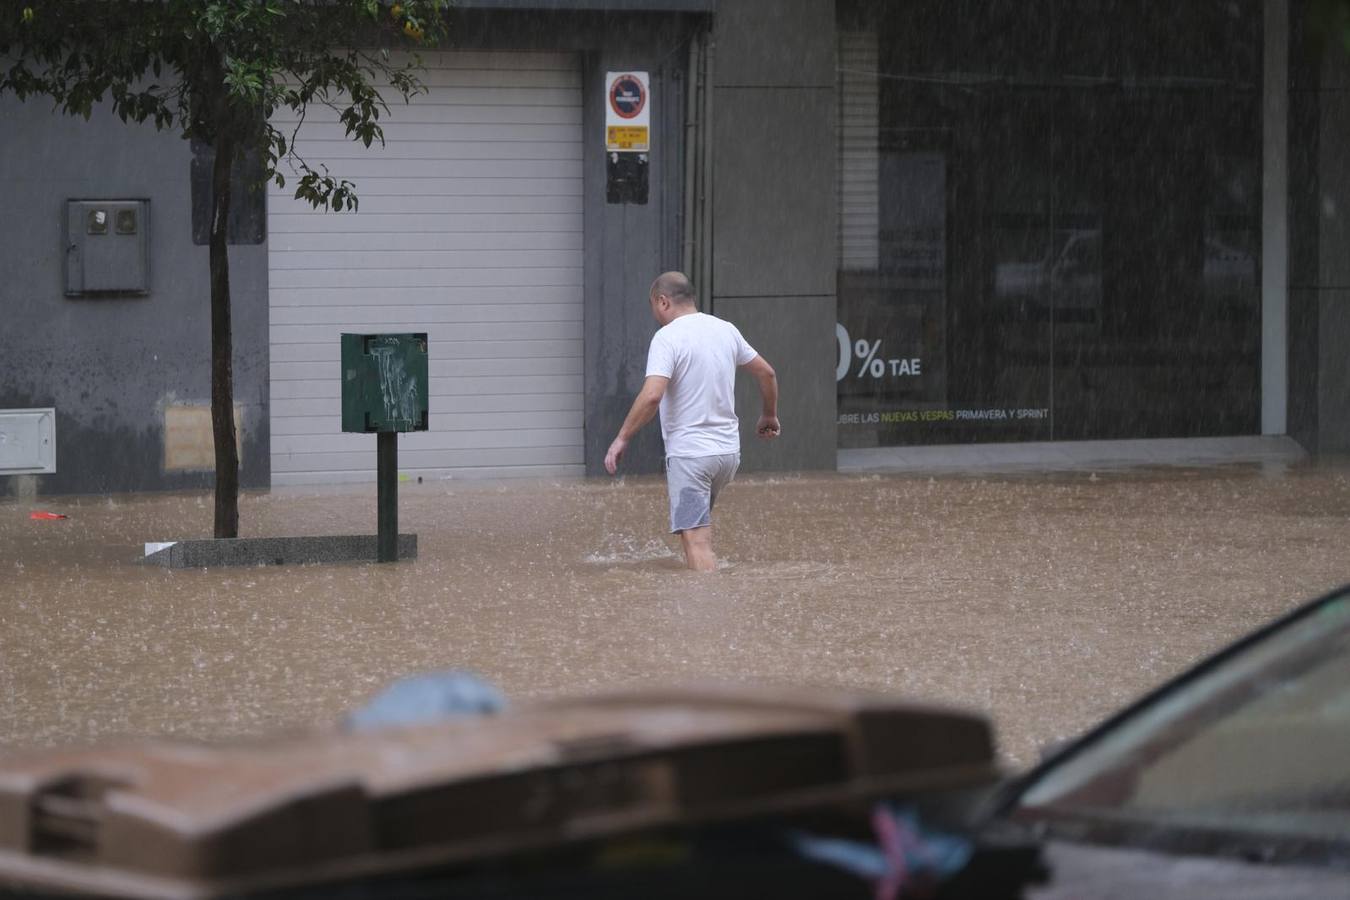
(675, 286)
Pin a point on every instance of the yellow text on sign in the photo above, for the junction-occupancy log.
(626, 137)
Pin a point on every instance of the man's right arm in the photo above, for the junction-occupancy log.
(763, 373)
(644, 408)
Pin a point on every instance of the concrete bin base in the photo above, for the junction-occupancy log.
(272, 551)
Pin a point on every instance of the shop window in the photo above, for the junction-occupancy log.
(1035, 248)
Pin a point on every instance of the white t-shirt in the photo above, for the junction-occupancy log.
(699, 354)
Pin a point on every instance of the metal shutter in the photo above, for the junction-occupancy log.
(470, 229)
(859, 105)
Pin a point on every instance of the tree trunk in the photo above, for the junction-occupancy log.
(222, 346)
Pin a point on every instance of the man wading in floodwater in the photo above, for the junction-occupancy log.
(691, 377)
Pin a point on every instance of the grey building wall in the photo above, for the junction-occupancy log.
(774, 213)
(111, 365)
(1319, 294)
(773, 219)
(1304, 217)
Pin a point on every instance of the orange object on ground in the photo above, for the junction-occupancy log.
(47, 515)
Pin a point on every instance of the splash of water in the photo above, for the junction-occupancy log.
(621, 549)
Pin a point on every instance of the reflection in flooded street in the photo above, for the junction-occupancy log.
(1046, 600)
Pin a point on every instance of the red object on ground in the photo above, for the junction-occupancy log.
(47, 515)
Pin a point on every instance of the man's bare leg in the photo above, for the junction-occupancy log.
(698, 551)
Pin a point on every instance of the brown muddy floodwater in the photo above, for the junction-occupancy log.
(1046, 600)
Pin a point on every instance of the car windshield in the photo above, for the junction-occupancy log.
(1256, 744)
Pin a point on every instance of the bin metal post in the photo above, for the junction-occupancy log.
(386, 474)
(385, 386)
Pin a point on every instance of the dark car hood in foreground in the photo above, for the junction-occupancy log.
(167, 820)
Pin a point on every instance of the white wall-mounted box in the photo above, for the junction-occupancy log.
(27, 441)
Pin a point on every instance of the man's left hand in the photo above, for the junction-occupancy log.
(615, 454)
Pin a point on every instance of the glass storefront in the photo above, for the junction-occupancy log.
(1049, 220)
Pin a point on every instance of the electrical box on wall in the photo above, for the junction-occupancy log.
(107, 247)
(27, 441)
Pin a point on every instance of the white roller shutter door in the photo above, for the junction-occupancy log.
(470, 229)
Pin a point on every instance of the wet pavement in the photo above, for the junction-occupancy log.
(1047, 600)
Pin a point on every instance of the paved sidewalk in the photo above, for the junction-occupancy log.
(1074, 455)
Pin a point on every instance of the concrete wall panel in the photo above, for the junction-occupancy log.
(1304, 313)
(1334, 191)
(775, 210)
(1334, 373)
(774, 205)
(796, 336)
(774, 44)
(1319, 187)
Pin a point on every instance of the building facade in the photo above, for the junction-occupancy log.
(942, 223)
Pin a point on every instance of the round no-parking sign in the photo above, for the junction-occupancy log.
(627, 96)
(627, 113)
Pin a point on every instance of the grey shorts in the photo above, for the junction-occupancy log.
(694, 483)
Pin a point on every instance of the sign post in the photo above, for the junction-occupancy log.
(386, 500)
(384, 390)
(627, 136)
